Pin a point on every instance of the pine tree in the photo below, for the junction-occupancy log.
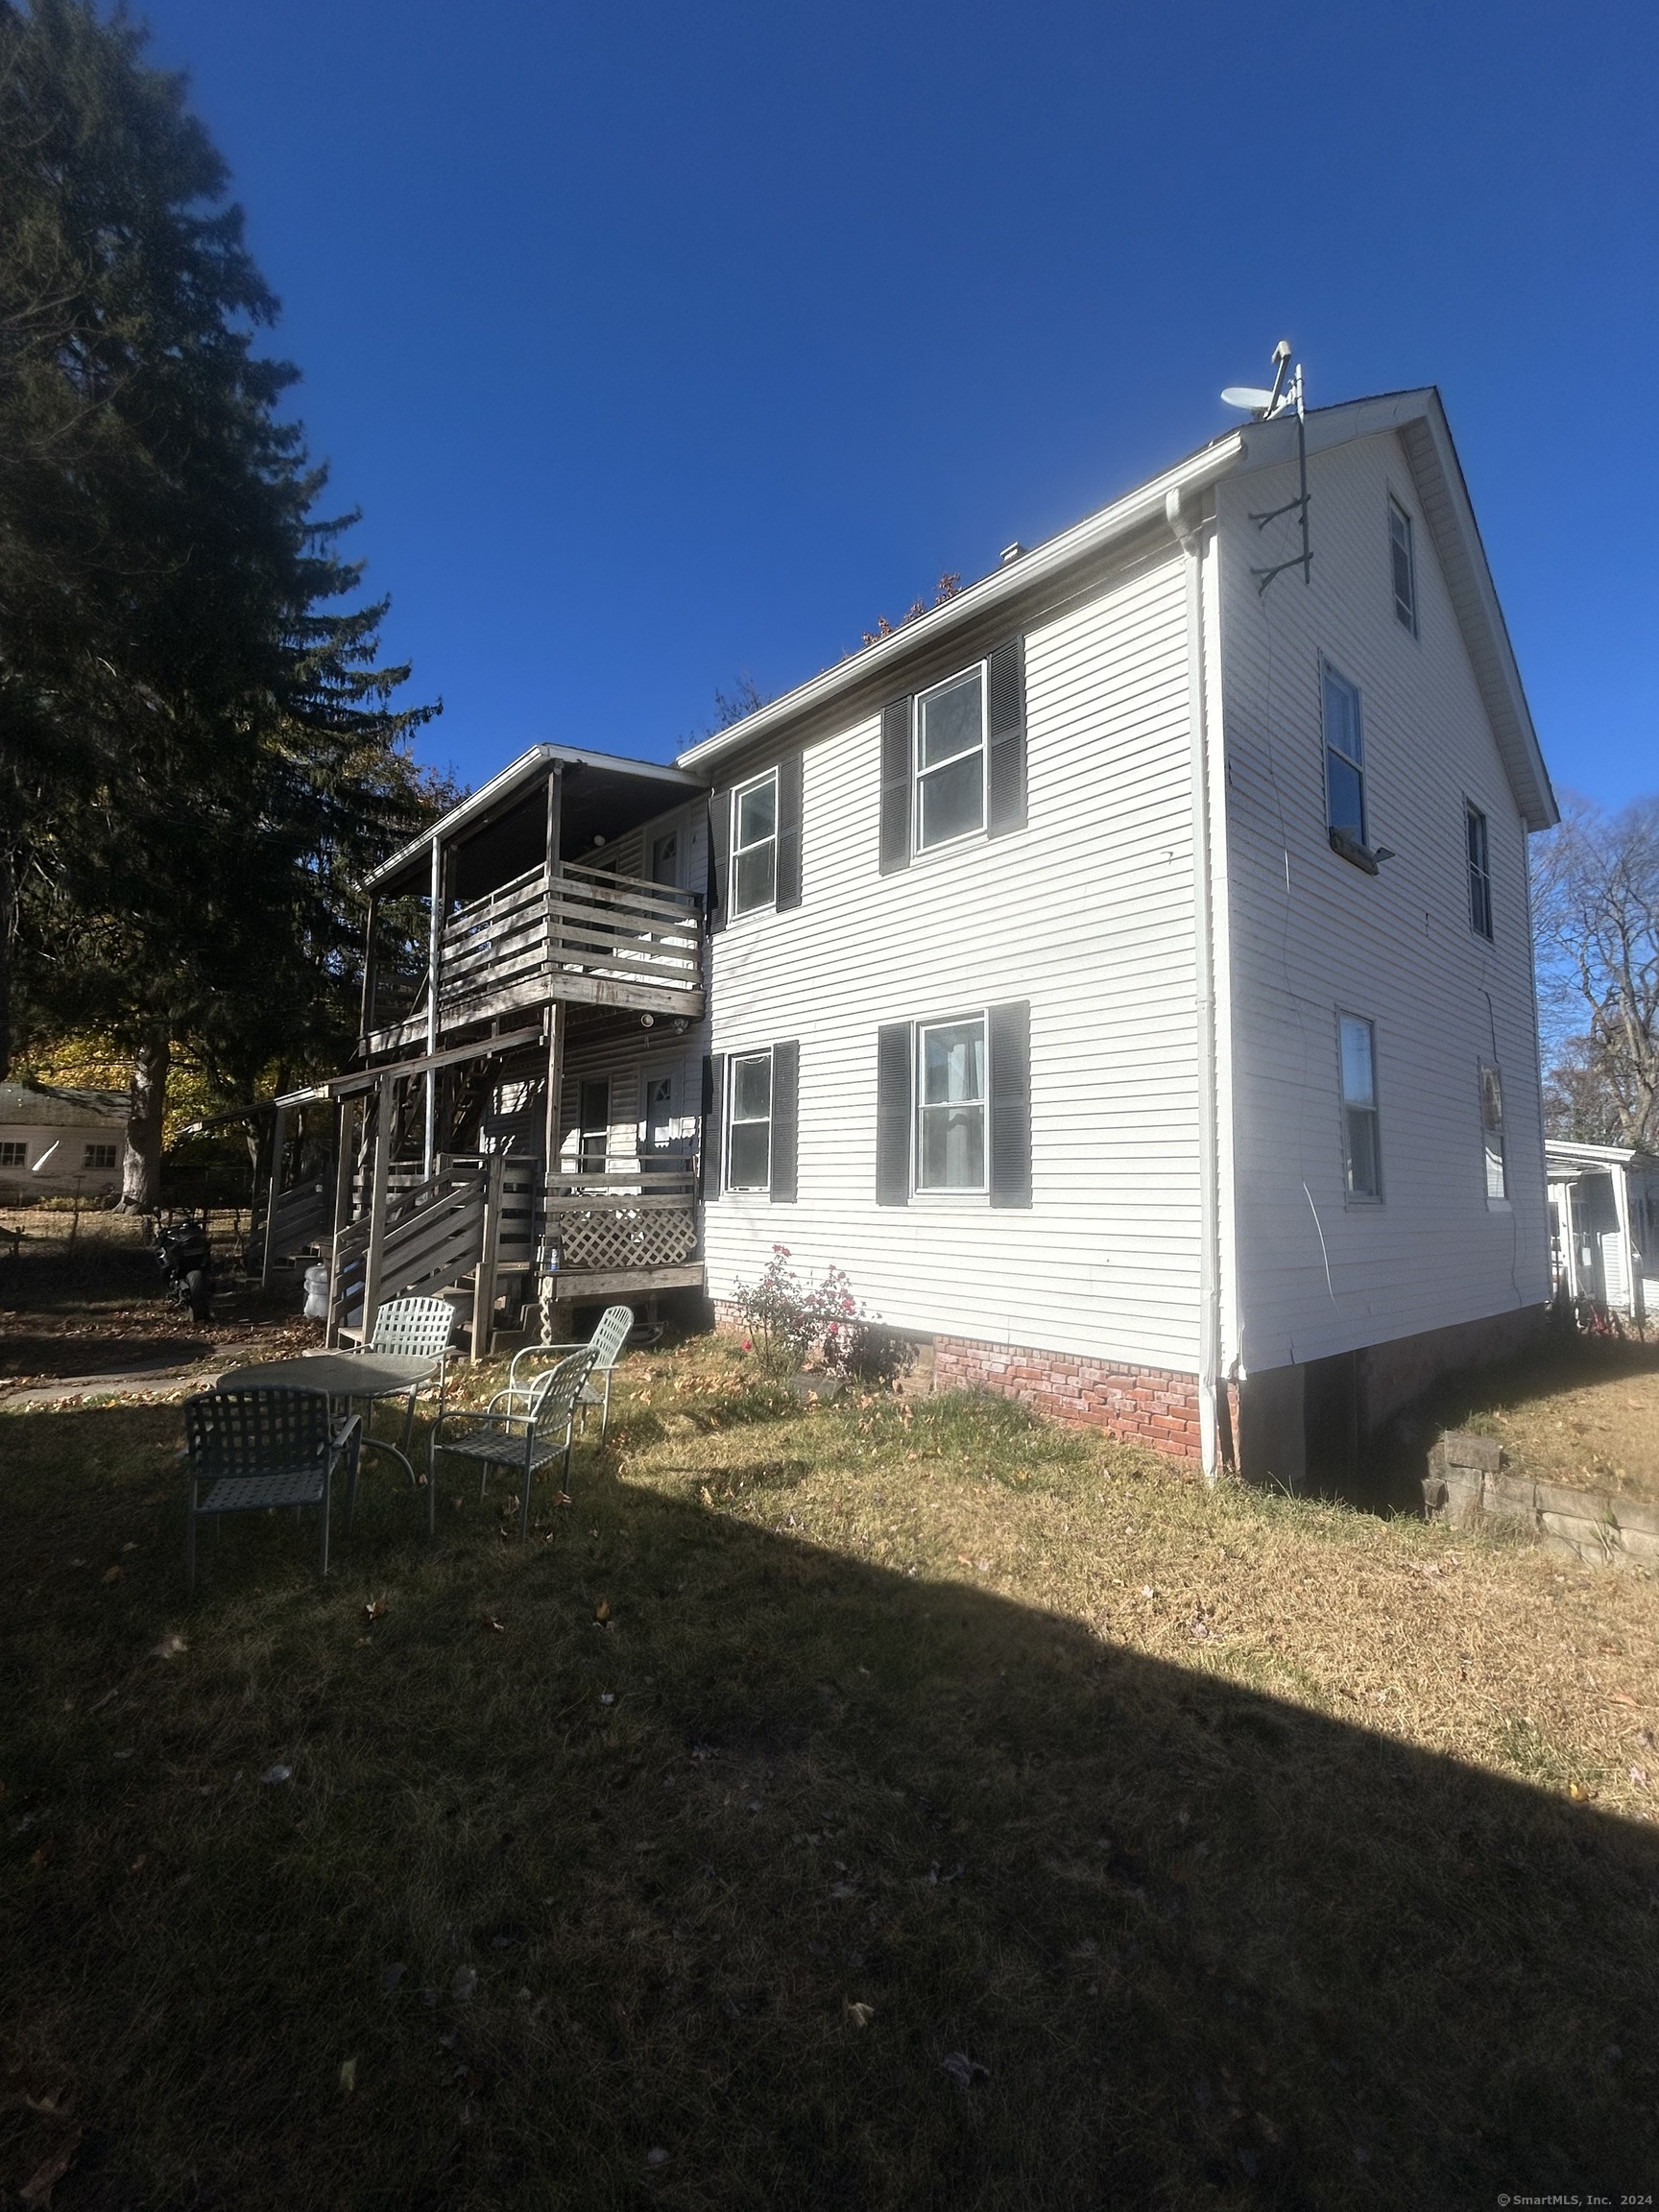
(198, 749)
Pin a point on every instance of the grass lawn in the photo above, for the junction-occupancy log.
(1584, 1413)
(891, 1804)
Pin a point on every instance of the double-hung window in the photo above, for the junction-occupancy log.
(951, 1105)
(99, 1155)
(951, 759)
(13, 1153)
(1361, 1150)
(749, 1139)
(755, 843)
(1492, 1133)
(1344, 760)
(1479, 850)
(1402, 555)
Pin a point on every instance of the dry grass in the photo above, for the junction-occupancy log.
(1584, 1414)
(885, 1804)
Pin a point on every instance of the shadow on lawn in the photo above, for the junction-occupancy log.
(1130, 1935)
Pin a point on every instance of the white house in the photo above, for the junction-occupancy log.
(1123, 970)
(56, 1142)
(1605, 1225)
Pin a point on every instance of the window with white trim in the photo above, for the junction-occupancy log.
(1402, 557)
(755, 843)
(951, 1105)
(99, 1155)
(1479, 845)
(1344, 758)
(749, 1132)
(1492, 1132)
(951, 759)
(13, 1153)
(1361, 1149)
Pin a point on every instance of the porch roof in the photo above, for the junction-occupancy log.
(604, 795)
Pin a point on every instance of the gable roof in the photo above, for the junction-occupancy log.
(1418, 418)
(43, 1106)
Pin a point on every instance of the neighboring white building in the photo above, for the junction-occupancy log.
(59, 1141)
(1124, 970)
(1605, 1225)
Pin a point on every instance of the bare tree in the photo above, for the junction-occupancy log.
(1596, 918)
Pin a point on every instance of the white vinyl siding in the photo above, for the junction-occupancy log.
(1088, 916)
(1316, 1275)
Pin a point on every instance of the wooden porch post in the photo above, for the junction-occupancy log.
(345, 1175)
(552, 1132)
(434, 965)
(484, 1282)
(370, 964)
(384, 1135)
(279, 1139)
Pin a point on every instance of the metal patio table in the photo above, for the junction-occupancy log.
(347, 1376)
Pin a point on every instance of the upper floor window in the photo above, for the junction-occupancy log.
(99, 1155)
(1344, 758)
(1479, 871)
(951, 759)
(950, 1142)
(1361, 1149)
(755, 843)
(1492, 1132)
(749, 1146)
(1403, 556)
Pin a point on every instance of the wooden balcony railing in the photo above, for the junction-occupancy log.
(628, 940)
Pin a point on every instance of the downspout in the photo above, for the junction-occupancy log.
(1189, 536)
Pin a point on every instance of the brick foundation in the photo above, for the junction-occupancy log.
(1142, 1404)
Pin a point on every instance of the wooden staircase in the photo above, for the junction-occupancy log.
(437, 1237)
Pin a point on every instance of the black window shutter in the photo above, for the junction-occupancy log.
(713, 1120)
(895, 786)
(786, 1120)
(1011, 1104)
(893, 1054)
(1006, 686)
(788, 831)
(719, 856)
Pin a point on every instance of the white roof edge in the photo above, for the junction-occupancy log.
(1133, 512)
(1419, 418)
(543, 756)
(1567, 1148)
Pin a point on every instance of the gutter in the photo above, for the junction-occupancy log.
(1144, 506)
(1190, 536)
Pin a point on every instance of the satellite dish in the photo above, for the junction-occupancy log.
(1248, 395)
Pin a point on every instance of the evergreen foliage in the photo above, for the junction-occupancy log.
(199, 752)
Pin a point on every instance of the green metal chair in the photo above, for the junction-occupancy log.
(524, 1442)
(607, 1344)
(251, 1450)
(415, 1329)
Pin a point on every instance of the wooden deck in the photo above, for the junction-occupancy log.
(582, 935)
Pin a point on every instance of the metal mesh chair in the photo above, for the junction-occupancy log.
(416, 1329)
(251, 1450)
(607, 1342)
(523, 1441)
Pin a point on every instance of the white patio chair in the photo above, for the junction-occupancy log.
(606, 1344)
(251, 1450)
(415, 1329)
(524, 1441)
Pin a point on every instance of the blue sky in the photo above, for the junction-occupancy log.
(662, 342)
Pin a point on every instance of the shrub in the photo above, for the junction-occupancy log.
(789, 1320)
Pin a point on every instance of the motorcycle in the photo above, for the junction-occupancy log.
(185, 1258)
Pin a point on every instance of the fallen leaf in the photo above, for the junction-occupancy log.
(347, 2075)
(375, 1609)
(500, 1627)
(42, 1859)
(465, 1984)
(112, 1575)
(38, 2188)
(601, 1611)
(563, 1498)
(607, 1696)
(962, 2069)
(860, 2015)
(844, 1889)
(1639, 1775)
(657, 2155)
(275, 1775)
(1617, 1697)
(170, 1648)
